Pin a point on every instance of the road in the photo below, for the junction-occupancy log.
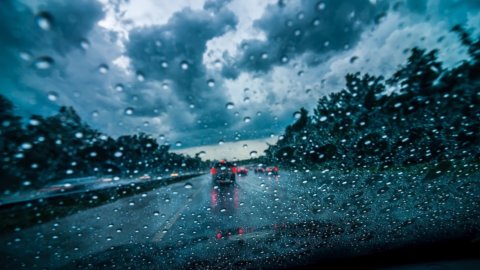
(260, 220)
(195, 209)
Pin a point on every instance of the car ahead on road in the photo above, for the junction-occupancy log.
(223, 172)
(272, 170)
(242, 171)
(259, 169)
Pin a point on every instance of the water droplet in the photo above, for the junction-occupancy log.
(25, 56)
(246, 100)
(221, 142)
(211, 83)
(184, 65)
(129, 111)
(85, 44)
(26, 183)
(300, 73)
(119, 87)
(230, 105)
(44, 62)
(52, 96)
(78, 135)
(323, 119)
(201, 154)
(118, 154)
(188, 186)
(253, 154)
(245, 145)
(297, 115)
(321, 6)
(103, 68)
(316, 22)
(264, 56)
(34, 122)
(284, 59)
(164, 64)
(178, 143)
(247, 119)
(140, 77)
(95, 113)
(26, 146)
(44, 20)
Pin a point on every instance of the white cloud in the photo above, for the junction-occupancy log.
(230, 150)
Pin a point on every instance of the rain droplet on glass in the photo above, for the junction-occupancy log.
(184, 65)
(129, 111)
(211, 83)
(140, 77)
(43, 62)
(44, 20)
(103, 68)
(52, 96)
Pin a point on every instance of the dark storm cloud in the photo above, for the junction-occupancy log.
(69, 23)
(292, 29)
(174, 51)
(45, 31)
(215, 5)
(441, 7)
(172, 55)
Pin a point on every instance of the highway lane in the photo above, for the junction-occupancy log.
(260, 220)
(194, 208)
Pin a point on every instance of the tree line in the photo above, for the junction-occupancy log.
(46, 149)
(422, 113)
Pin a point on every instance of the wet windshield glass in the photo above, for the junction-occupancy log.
(239, 134)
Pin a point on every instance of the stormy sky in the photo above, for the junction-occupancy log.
(196, 72)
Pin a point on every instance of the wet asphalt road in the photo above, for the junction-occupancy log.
(255, 206)
(259, 222)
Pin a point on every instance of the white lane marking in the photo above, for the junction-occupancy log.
(160, 234)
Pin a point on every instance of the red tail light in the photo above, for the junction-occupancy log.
(234, 169)
(213, 171)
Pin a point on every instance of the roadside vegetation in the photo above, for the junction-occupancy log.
(424, 113)
(46, 149)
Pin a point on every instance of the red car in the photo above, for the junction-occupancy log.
(242, 171)
(272, 170)
(223, 172)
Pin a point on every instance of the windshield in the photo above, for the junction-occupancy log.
(239, 134)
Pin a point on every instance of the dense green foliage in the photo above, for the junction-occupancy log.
(423, 113)
(62, 146)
